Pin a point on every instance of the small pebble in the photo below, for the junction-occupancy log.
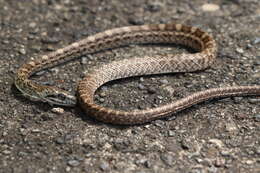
(241, 116)
(60, 140)
(54, 70)
(210, 7)
(147, 164)
(36, 130)
(257, 117)
(47, 83)
(66, 16)
(185, 144)
(257, 62)
(5, 42)
(154, 7)
(256, 75)
(240, 50)
(22, 154)
(167, 159)
(4, 134)
(248, 46)
(257, 40)
(219, 162)
(225, 153)
(22, 51)
(258, 150)
(141, 106)
(169, 89)
(160, 97)
(57, 110)
(68, 137)
(104, 166)
(102, 94)
(140, 161)
(104, 88)
(84, 60)
(50, 40)
(6, 152)
(164, 81)
(135, 21)
(101, 100)
(36, 48)
(249, 162)
(159, 123)
(217, 142)
(73, 163)
(237, 99)
(47, 117)
(171, 133)
(50, 48)
(141, 86)
(151, 90)
(199, 160)
(32, 25)
(227, 54)
(40, 73)
(92, 58)
(231, 127)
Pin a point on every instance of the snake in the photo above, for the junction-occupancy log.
(204, 55)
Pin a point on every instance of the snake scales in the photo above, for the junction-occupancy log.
(195, 38)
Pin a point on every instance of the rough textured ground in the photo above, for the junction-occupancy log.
(216, 136)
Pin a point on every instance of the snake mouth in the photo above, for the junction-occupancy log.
(61, 99)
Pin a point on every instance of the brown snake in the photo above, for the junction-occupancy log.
(195, 38)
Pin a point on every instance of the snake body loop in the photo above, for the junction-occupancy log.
(195, 38)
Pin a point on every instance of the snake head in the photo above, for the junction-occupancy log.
(61, 98)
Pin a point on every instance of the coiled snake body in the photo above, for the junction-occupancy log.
(192, 37)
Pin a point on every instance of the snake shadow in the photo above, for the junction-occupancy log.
(79, 113)
(172, 116)
(77, 110)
